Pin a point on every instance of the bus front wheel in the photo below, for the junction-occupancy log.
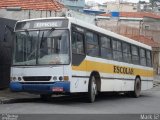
(92, 90)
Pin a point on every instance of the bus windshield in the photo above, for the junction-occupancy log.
(41, 47)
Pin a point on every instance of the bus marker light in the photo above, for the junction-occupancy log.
(57, 89)
(66, 78)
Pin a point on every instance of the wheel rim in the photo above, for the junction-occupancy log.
(94, 87)
(138, 88)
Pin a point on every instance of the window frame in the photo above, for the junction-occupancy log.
(99, 35)
(106, 47)
(78, 32)
(117, 50)
(145, 56)
(135, 55)
(128, 53)
(150, 58)
(97, 45)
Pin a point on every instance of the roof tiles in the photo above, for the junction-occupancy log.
(51, 5)
(146, 40)
(135, 15)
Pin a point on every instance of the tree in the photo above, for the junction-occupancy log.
(153, 1)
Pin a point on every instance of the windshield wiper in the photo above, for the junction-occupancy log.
(27, 32)
(47, 34)
(41, 41)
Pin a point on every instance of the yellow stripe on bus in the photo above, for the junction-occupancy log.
(109, 68)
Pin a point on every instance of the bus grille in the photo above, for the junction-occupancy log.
(35, 87)
(37, 78)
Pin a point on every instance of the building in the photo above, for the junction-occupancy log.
(27, 9)
(5, 51)
(77, 5)
(115, 6)
(141, 26)
(135, 23)
(121, 6)
(144, 6)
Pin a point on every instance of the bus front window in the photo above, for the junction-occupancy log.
(41, 47)
(54, 48)
(25, 48)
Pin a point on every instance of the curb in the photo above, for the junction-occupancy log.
(16, 100)
(6, 100)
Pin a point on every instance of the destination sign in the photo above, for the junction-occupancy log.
(47, 24)
(38, 24)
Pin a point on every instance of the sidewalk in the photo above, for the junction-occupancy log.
(7, 96)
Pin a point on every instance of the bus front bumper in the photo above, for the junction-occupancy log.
(53, 87)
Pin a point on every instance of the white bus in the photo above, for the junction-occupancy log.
(66, 55)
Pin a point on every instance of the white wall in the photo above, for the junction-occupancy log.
(28, 14)
(85, 17)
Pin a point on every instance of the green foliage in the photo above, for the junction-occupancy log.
(152, 1)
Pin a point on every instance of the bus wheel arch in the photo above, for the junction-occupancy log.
(98, 79)
(138, 76)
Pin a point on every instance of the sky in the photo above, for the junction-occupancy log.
(101, 1)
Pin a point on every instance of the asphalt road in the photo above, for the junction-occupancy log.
(149, 102)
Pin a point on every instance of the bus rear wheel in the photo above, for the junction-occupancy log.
(137, 88)
(92, 90)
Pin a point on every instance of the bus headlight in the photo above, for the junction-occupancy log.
(14, 78)
(60, 78)
(54, 78)
(19, 78)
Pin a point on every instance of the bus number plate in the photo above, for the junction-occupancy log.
(57, 89)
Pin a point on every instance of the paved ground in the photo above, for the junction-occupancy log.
(105, 104)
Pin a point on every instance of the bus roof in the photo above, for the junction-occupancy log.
(98, 29)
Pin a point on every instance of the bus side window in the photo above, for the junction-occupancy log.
(77, 43)
(149, 60)
(143, 57)
(92, 44)
(126, 52)
(117, 50)
(135, 55)
(106, 51)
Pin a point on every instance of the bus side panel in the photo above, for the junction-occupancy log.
(128, 85)
(80, 78)
(111, 85)
(116, 85)
(107, 85)
(79, 85)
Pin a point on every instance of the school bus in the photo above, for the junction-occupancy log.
(62, 55)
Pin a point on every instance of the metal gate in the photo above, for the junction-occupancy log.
(5, 51)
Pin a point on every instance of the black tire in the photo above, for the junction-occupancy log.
(92, 90)
(45, 97)
(137, 88)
